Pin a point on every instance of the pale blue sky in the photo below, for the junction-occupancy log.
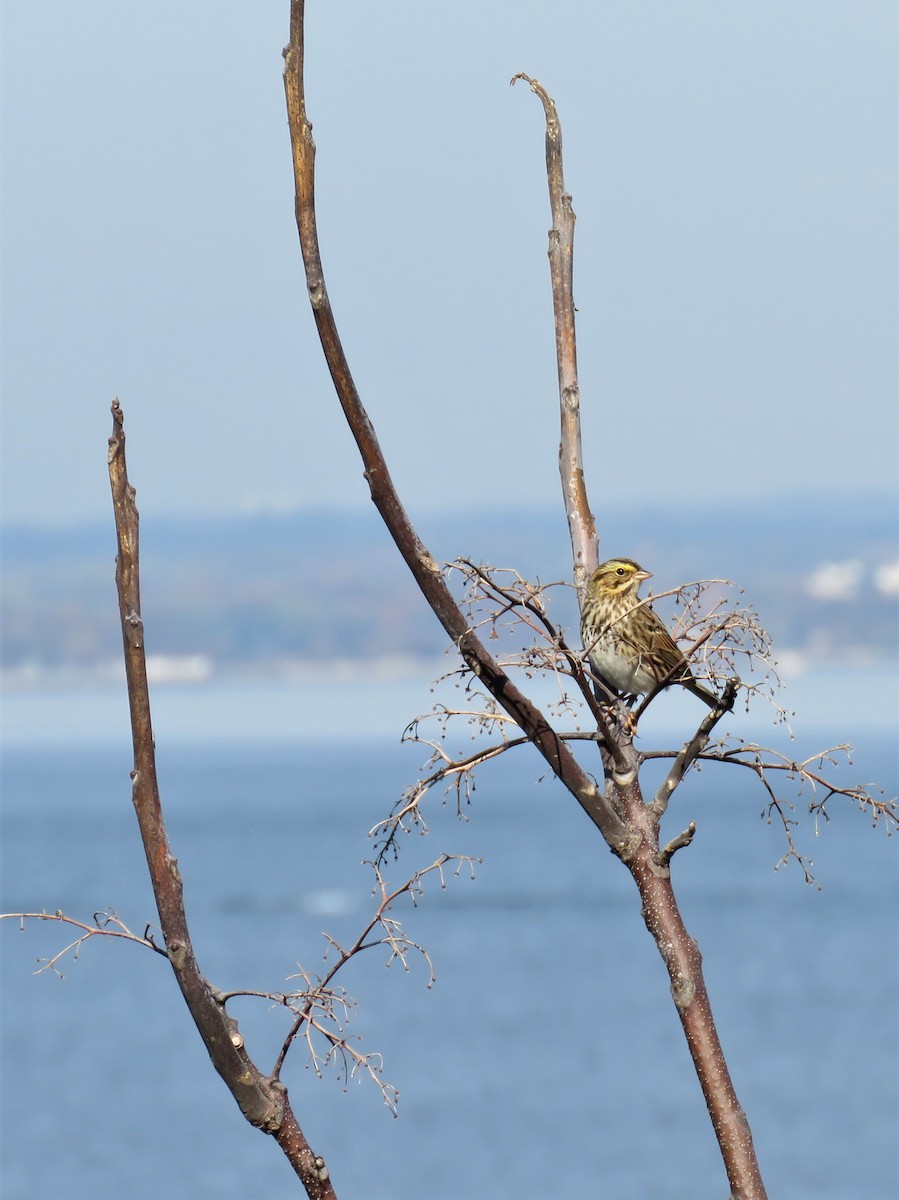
(734, 173)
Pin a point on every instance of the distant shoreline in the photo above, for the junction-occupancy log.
(362, 705)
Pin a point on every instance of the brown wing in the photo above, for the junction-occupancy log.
(668, 660)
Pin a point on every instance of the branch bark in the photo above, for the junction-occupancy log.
(581, 525)
(424, 569)
(650, 865)
(262, 1100)
(629, 826)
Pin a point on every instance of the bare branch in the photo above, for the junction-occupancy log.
(424, 569)
(692, 750)
(763, 760)
(678, 843)
(660, 910)
(766, 764)
(262, 1101)
(629, 825)
(581, 525)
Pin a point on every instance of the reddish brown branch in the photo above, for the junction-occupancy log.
(634, 839)
(649, 865)
(262, 1101)
(683, 960)
(424, 569)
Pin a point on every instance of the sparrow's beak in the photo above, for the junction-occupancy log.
(641, 575)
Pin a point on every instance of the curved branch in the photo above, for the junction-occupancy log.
(425, 570)
(631, 835)
(262, 1101)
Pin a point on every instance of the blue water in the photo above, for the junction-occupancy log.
(546, 1060)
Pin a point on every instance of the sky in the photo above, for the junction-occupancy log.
(733, 170)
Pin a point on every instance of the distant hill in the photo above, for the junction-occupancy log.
(255, 592)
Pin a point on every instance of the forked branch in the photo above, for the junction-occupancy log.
(619, 812)
(425, 570)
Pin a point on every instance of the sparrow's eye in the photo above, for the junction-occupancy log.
(620, 572)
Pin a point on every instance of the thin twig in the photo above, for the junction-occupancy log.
(391, 935)
(106, 924)
(692, 750)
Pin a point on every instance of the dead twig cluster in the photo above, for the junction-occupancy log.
(713, 625)
(321, 1008)
(719, 633)
(771, 767)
